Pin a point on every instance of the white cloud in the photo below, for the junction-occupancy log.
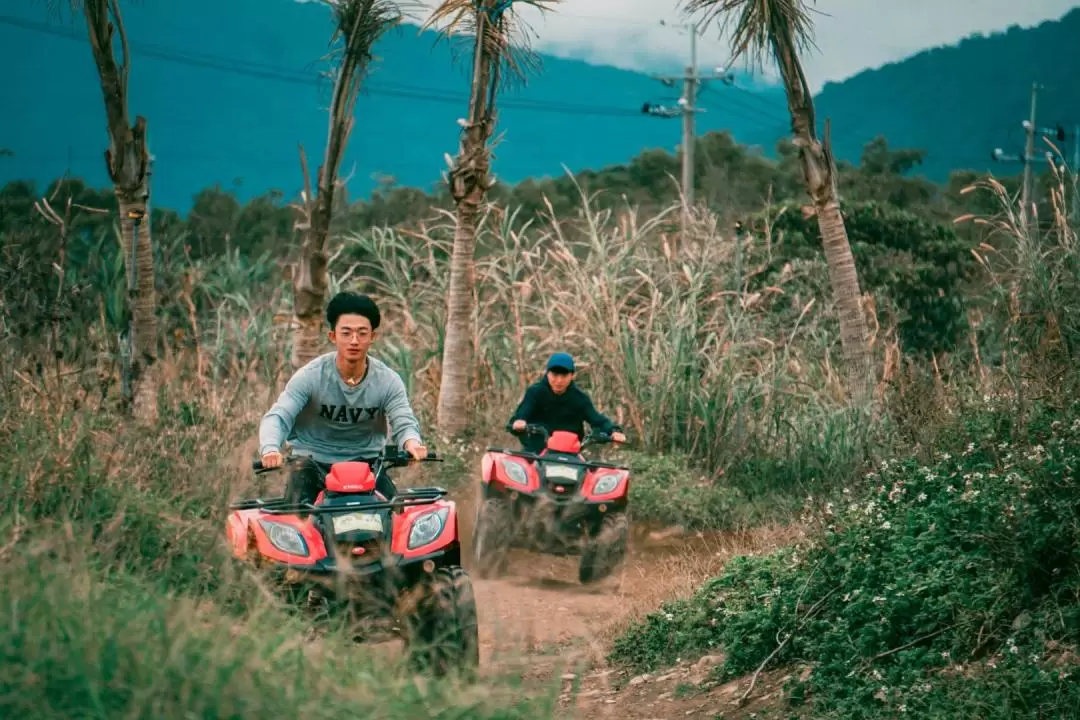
(851, 35)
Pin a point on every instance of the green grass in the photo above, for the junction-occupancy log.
(77, 644)
(946, 588)
(120, 600)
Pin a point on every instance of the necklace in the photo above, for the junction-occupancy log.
(352, 380)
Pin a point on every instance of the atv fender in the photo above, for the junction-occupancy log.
(237, 533)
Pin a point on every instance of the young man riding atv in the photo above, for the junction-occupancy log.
(336, 408)
(555, 402)
(356, 538)
(550, 497)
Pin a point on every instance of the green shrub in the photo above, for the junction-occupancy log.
(931, 589)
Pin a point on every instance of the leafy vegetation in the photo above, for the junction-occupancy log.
(84, 644)
(716, 350)
(718, 358)
(943, 583)
(939, 576)
(940, 589)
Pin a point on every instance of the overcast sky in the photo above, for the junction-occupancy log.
(851, 34)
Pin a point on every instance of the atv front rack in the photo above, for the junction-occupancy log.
(280, 506)
(599, 464)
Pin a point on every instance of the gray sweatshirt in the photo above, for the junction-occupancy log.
(330, 421)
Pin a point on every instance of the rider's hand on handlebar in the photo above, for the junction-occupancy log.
(414, 448)
(519, 425)
(272, 460)
(618, 437)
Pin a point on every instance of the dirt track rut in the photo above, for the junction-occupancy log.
(539, 616)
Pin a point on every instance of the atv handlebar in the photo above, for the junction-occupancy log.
(390, 457)
(593, 438)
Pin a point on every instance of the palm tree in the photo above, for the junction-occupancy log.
(781, 28)
(492, 25)
(358, 25)
(128, 161)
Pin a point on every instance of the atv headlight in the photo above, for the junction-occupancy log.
(605, 484)
(516, 472)
(285, 538)
(427, 527)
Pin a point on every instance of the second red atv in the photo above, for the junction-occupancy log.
(390, 563)
(557, 502)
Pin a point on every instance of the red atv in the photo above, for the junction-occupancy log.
(394, 563)
(556, 502)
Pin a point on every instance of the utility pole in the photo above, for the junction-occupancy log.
(1075, 170)
(1029, 151)
(691, 80)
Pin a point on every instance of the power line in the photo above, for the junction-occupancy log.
(276, 73)
(746, 107)
(768, 106)
(269, 72)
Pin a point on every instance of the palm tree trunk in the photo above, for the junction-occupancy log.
(142, 296)
(469, 182)
(310, 285)
(819, 172)
(457, 345)
(311, 278)
(128, 162)
(844, 279)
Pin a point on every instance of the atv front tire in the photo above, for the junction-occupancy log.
(603, 552)
(491, 537)
(443, 637)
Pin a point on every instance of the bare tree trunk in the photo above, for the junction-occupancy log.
(142, 380)
(819, 171)
(311, 278)
(844, 279)
(128, 162)
(457, 345)
(310, 284)
(469, 182)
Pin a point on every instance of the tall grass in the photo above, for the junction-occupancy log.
(670, 339)
(120, 598)
(945, 583)
(667, 337)
(80, 644)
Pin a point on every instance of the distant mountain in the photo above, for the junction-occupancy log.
(962, 101)
(230, 87)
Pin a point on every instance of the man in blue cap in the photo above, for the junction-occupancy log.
(556, 403)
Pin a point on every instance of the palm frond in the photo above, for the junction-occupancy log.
(759, 28)
(358, 24)
(505, 35)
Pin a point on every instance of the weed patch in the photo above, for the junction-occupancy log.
(929, 589)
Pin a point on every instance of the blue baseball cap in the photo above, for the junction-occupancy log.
(561, 361)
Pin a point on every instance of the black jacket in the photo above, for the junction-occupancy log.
(569, 411)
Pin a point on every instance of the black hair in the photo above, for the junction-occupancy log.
(350, 303)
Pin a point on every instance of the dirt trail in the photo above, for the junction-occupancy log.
(540, 621)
